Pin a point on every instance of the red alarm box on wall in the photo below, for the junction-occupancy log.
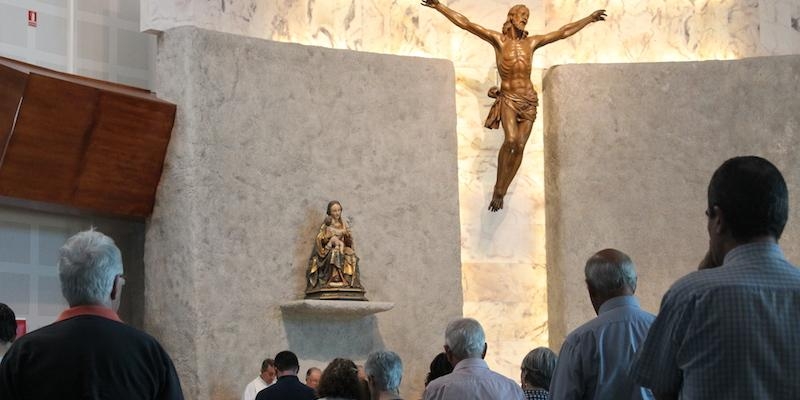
(22, 327)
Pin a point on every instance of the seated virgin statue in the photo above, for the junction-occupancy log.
(332, 271)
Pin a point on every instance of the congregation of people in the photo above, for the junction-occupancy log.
(730, 330)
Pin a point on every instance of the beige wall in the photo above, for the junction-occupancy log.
(266, 134)
(628, 163)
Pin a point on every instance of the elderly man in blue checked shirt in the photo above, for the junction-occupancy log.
(595, 358)
(732, 331)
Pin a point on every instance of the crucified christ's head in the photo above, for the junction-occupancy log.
(518, 17)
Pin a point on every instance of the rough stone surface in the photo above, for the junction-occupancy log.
(266, 134)
(629, 152)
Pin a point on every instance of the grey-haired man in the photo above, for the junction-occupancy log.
(89, 353)
(471, 379)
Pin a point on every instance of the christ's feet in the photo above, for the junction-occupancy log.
(496, 203)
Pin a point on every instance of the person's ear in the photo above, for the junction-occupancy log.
(485, 347)
(116, 292)
(116, 287)
(590, 289)
(448, 354)
(718, 222)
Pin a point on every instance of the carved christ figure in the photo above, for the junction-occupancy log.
(516, 100)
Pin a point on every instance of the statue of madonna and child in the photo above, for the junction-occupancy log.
(332, 272)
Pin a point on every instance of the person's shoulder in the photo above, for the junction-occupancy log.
(273, 391)
(45, 336)
(501, 379)
(686, 287)
(44, 333)
(132, 337)
(300, 386)
(587, 329)
(645, 315)
(510, 387)
(639, 313)
(441, 382)
(285, 387)
(253, 382)
(133, 333)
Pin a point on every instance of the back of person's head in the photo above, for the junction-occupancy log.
(313, 376)
(385, 369)
(465, 338)
(88, 263)
(439, 367)
(340, 379)
(753, 197)
(610, 271)
(538, 367)
(268, 362)
(8, 324)
(287, 361)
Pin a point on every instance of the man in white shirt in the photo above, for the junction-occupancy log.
(265, 379)
(471, 379)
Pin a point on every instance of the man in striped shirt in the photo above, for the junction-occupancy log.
(732, 331)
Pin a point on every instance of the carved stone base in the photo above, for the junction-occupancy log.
(336, 294)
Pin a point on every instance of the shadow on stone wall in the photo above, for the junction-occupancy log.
(329, 337)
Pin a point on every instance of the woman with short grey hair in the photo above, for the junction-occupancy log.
(537, 371)
(384, 371)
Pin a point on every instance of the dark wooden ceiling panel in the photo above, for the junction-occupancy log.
(12, 84)
(44, 154)
(83, 143)
(117, 172)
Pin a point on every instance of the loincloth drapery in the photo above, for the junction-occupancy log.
(524, 105)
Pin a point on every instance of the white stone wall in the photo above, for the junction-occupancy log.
(663, 30)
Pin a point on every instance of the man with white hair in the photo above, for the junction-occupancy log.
(595, 358)
(89, 353)
(471, 379)
(384, 371)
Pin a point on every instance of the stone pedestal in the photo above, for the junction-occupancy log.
(265, 135)
(333, 309)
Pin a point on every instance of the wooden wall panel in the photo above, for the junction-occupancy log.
(83, 143)
(43, 157)
(12, 84)
(118, 174)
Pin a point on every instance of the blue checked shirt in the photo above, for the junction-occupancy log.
(731, 332)
(595, 359)
(536, 394)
